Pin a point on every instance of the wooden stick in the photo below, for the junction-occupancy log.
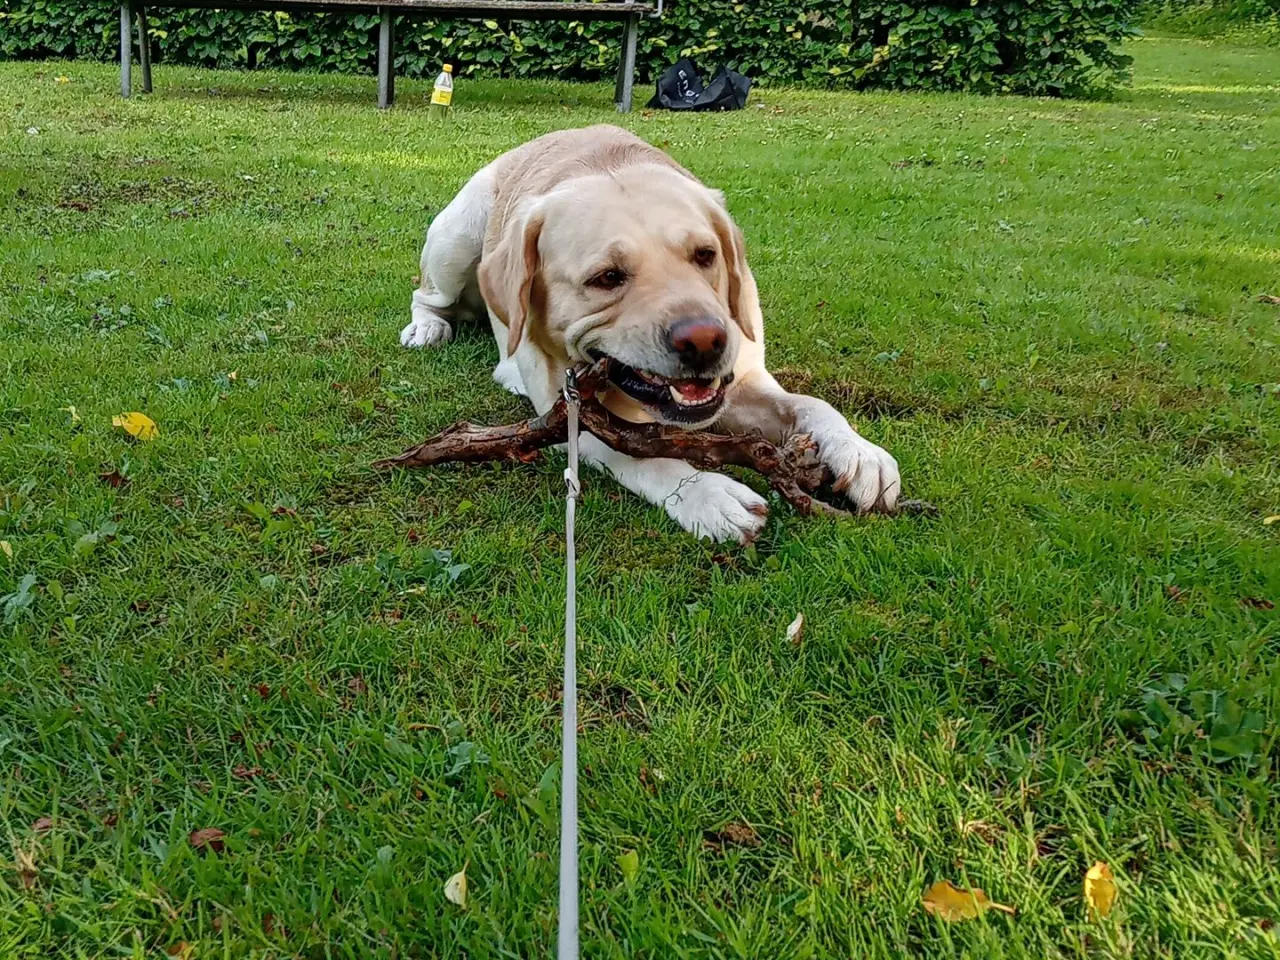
(792, 468)
(465, 442)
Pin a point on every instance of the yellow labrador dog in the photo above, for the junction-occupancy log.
(590, 243)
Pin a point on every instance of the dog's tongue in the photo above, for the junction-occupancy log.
(695, 391)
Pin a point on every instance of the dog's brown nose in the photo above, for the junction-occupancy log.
(698, 340)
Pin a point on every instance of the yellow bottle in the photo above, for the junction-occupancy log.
(442, 92)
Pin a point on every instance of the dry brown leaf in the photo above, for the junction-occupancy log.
(43, 825)
(1258, 603)
(742, 833)
(739, 834)
(271, 928)
(952, 903)
(987, 831)
(181, 951)
(1269, 298)
(137, 425)
(208, 838)
(1099, 889)
(455, 888)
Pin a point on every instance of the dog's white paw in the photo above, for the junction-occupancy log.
(507, 375)
(426, 331)
(867, 475)
(711, 506)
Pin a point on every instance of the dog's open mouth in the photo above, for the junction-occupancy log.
(673, 399)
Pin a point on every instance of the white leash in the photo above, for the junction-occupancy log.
(568, 940)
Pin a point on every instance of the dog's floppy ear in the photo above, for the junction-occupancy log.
(734, 250)
(507, 274)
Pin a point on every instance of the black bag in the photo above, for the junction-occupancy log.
(680, 88)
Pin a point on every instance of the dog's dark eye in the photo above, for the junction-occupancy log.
(609, 279)
(705, 257)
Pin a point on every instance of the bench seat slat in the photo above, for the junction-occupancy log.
(496, 9)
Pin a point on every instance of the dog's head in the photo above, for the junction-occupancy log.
(643, 266)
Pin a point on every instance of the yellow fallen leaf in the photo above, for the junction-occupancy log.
(62, 79)
(137, 425)
(26, 861)
(1099, 889)
(75, 417)
(455, 888)
(629, 864)
(1275, 518)
(951, 903)
(795, 629)
(6, 549)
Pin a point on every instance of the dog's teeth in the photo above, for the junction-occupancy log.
(684, 401)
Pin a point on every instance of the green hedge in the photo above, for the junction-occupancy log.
(1055, 47)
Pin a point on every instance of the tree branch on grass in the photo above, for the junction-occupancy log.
(792, 468)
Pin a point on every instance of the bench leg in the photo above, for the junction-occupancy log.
(386, 58)
(627, 66)
(126, 50)
(144, 49)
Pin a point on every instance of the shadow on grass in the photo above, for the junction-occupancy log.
(1238, 100)
(1236, 79)
(412, 95)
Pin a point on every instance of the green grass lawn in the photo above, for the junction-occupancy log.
(1047, 311)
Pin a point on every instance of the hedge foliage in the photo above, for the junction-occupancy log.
(1055, 47)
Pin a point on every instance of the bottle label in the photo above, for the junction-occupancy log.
(441, 96)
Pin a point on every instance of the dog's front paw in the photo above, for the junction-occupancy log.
(711, 506)
(426, 331)
(867, 475)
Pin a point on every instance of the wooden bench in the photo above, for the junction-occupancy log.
(627, 11)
